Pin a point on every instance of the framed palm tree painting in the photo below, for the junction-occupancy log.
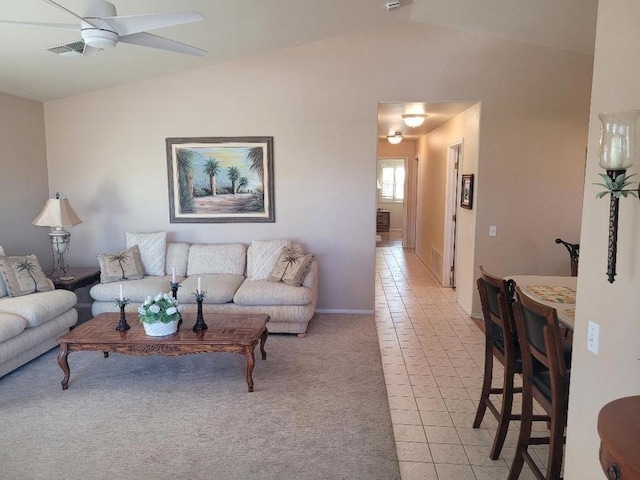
(220, 179)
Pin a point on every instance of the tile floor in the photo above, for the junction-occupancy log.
(433, 360)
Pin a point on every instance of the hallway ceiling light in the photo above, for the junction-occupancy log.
(414, 119)
(395, 139)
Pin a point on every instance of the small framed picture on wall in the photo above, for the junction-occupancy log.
(466, 195)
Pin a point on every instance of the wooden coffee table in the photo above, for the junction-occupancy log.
(231, 333)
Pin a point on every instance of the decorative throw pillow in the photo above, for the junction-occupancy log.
(153, 248)
(291, 267)
(263, 256)
(124, 265)
(23, 275)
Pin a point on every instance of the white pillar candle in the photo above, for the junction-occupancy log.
(121, 296)
(173, 274)
(617, 152)
(199, 288)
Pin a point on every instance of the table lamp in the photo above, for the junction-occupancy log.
(57, 214)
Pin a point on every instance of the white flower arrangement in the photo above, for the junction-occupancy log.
(162, 308)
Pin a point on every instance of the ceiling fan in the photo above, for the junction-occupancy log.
(100, 27)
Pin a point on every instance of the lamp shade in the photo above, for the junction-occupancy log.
(414, 119)
(395, 139)
(57, 212)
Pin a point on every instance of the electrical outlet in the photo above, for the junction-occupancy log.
(593, 334)
(492, 230)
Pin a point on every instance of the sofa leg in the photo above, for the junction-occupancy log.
(302, 335)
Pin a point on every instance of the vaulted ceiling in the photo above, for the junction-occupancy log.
(235, 29)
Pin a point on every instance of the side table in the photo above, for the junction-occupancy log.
(618, 427)
(82, 277)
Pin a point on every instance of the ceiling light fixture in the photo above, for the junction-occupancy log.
(414, 119)
(395, 138)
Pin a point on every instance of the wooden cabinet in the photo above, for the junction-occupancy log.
(383, 220)
(618, 427)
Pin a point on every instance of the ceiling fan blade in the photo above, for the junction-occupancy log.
(149, 40)
(64, 9)
(130, 24)
(62, 26)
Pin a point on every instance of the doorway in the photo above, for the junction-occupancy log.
(454, 166)
(390, 203)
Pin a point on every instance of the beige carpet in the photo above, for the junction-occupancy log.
(319, 411)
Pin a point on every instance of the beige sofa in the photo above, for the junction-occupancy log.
(31, 324)
(230, 277)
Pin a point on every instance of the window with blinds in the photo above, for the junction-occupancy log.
(391, 180)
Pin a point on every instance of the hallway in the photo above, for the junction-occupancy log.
(433, 355)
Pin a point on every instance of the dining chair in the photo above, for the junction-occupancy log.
(501, 343)
(545, 378)
(574, 254)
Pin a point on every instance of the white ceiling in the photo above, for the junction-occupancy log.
(235, 29)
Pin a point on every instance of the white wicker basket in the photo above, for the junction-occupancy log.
(159, 329)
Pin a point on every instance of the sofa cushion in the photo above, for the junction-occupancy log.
(119, 266)
(39, 308)
(23, 275)
(10, 326)
(210, 259)
(291, 268)
(262, 256)
(3, 287)
(264, 292)
(217, 288)
(177, 257)
(135, 290)
(153, 249)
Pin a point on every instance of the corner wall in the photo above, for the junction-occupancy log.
(615, 371)
(23, 182)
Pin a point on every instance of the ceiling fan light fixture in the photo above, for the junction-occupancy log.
(395, 139)
(99, 38)
(414, 119)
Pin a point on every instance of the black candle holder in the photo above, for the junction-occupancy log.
(174, 292)
(122, 324)
(616, 182)
(200, 325)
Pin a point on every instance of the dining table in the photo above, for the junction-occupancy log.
(555, 292)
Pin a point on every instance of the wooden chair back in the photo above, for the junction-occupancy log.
(540, 340)
(496, 299)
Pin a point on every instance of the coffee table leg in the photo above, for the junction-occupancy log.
(64, 365)
(263, 340)
(251, 361)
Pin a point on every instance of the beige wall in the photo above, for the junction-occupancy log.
(23, 182)
(106, 150)
(615, 371)
(433, 150)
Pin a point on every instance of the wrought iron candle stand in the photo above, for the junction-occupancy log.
(617, 153)
(200, 325)
(174, 292)
(122, 324)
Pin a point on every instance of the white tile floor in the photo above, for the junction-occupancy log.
(433, 359)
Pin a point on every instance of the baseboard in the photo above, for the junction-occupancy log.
(338, 310)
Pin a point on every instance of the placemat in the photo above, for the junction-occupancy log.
(552, 293)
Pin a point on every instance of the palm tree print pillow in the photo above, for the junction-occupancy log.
(119, 266)
(291, 267)
(23, 275)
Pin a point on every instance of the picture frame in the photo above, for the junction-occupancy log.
(466, 192)
(220, 179)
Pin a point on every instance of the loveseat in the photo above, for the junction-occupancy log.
(236, 278)
(30, 323)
